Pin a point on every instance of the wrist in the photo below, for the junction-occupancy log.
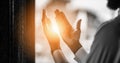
(54, 49)
(59, 56)
(75, 46)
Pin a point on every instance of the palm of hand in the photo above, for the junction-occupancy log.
(52, 37)
(69, 35)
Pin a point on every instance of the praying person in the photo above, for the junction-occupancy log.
(106, 44)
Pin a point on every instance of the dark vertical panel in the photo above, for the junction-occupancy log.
(30, 30)
(17, 31)
(4, 31)
(24, 28)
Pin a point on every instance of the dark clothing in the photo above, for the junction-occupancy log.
(106, 45)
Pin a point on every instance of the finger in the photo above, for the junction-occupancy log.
(60, 16)
(43, 15)
(58, 21)
(78, 24)
(49, 25)
(44, 22)
(62, 21)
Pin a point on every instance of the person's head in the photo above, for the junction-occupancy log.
(113, 4)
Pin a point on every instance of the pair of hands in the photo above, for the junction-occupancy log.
(69, 35)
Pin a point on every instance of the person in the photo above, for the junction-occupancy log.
(106, 44)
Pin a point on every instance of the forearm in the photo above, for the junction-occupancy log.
(59, 56)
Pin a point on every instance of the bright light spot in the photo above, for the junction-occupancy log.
(55, 28)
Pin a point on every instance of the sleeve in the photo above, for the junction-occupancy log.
(81, 55)
(117, 59)
(59, 57)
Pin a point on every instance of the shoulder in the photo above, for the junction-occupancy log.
(111, 25)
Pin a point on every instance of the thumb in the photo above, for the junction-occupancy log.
(77, 32)
(43, 14)
(78, 24)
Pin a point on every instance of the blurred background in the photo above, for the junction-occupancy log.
(92, 13)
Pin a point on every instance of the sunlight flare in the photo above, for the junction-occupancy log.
(55, 28)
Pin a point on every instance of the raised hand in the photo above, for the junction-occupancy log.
(69, 35)
(52, 37)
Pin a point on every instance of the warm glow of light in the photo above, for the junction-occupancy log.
(55, 28)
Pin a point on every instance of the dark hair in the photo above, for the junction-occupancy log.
(113, 4)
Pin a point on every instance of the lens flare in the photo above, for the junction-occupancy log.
(55, 28)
